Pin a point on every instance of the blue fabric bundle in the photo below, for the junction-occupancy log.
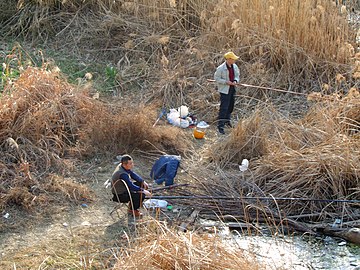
(165, 169)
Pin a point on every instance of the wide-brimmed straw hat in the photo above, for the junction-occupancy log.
(231, 55)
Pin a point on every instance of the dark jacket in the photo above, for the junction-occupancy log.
(165, 169)
(120, 173)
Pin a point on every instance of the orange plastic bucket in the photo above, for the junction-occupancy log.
(199, 134)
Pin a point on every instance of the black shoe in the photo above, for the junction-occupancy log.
(221, 130)
(228, 124)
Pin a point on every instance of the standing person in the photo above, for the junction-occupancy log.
(226, 77)
(132, 192)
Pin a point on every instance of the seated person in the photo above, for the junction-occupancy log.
(133, 192)
(165, 169)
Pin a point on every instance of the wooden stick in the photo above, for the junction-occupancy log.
(168, 187)
(191, 197)
(265, 88)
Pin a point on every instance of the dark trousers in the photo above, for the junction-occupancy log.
(227, 102)
(136, 197)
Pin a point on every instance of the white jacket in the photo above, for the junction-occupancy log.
(221, 76)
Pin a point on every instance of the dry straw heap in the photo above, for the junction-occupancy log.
(45, 122)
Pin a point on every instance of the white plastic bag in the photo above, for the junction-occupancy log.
(172, 116)
(244, 165)
(183, 111)
(174, 119)
(184, 123)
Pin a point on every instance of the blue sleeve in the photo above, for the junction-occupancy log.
(130, 184)
(136, 177)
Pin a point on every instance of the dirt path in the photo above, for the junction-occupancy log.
(71, 232)
(73, 236)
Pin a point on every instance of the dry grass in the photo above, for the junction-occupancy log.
(282, 41)
(37, 118)
(179, 44)
(52, 15)
(315, 157)
(156, 247)
(328, 170)
(166, 249)
(45, 120)
(247, 140)
(336, 114)
(75, 247)
(126, 128)
(74, 192)
(8, 9)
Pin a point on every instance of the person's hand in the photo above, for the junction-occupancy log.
(147, 193)
(146, 185)
(231, 83)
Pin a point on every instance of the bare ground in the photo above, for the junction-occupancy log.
(64, 232)
(72, 236)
